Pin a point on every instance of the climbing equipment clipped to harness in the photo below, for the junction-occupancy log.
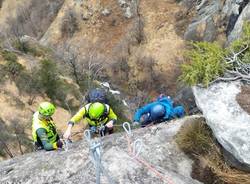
(66, 144)
(98, 130)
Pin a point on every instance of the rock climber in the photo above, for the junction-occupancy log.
(162, 109)
(100, 118)
(44, 131)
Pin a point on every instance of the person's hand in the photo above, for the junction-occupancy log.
(110, 124)
(59, 144)
(67, 134)
(136, 123)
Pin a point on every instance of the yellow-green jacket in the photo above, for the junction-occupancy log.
(44, 132)
(83, 113)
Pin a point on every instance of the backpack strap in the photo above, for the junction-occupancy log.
(87, 110)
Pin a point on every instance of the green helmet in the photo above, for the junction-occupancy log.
(96, 110)
(46, 109)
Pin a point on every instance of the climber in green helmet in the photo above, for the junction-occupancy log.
(44, 131)
(97, 115)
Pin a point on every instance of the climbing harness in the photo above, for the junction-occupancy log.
(98, 130)
(95, 155)
(135, 151)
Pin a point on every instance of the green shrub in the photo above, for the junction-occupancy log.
(3, 73)
(9, 56)
(35, 50)
(13, 68)
(49, 78)
(206, 63)
(70, 23)
(21, 46)
(118, 108)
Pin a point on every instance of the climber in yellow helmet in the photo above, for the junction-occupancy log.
(97, 115)
(44, 131)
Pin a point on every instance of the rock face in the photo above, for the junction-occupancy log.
(74, 165)
(216, 17)
(203, 26)
(229, 122)
(236, 32)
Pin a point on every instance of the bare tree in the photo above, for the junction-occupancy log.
(93, 66)
(4, 137)
(84, 68)
(239, 70)
(70, 54)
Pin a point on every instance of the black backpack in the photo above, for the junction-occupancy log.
(96, 95)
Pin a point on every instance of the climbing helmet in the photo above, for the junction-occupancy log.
(96, 111)
(46, 109)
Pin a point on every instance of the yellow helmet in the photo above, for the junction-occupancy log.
(96, 110)
(46, 109)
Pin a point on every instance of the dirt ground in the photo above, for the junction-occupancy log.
(244, 98)
(162, 43)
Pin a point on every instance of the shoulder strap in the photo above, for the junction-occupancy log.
(107, 109)
(87, 110)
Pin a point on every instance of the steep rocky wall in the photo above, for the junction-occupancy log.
(229, 122)
(32, 17)
(219, 20)
(74, 166)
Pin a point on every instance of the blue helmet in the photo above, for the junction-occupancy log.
(157, 112)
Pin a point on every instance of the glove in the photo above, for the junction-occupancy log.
(59, 144)
(110, 124)
(136, 123)
(67, 134)
(92, 129)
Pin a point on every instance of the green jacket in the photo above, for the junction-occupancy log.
(44, 132)
(83, 113)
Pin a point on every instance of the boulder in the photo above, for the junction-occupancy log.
(237, 30)
(203, 26)
(74, 165)
(216, 17)
(129, 7)
(185, 97)
(228, 121)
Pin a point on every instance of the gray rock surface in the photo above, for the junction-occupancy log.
(215, 17)
(203, 26)
(106, 12)
(237, 30)
(228, 121)
(185, 97)
(129, 7)
(74, 166)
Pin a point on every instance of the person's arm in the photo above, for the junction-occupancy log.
(78, 116)
(112, 116)
(167, 100)
(168, 111)
(75, 119)
(41, 133)
(139, 112)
